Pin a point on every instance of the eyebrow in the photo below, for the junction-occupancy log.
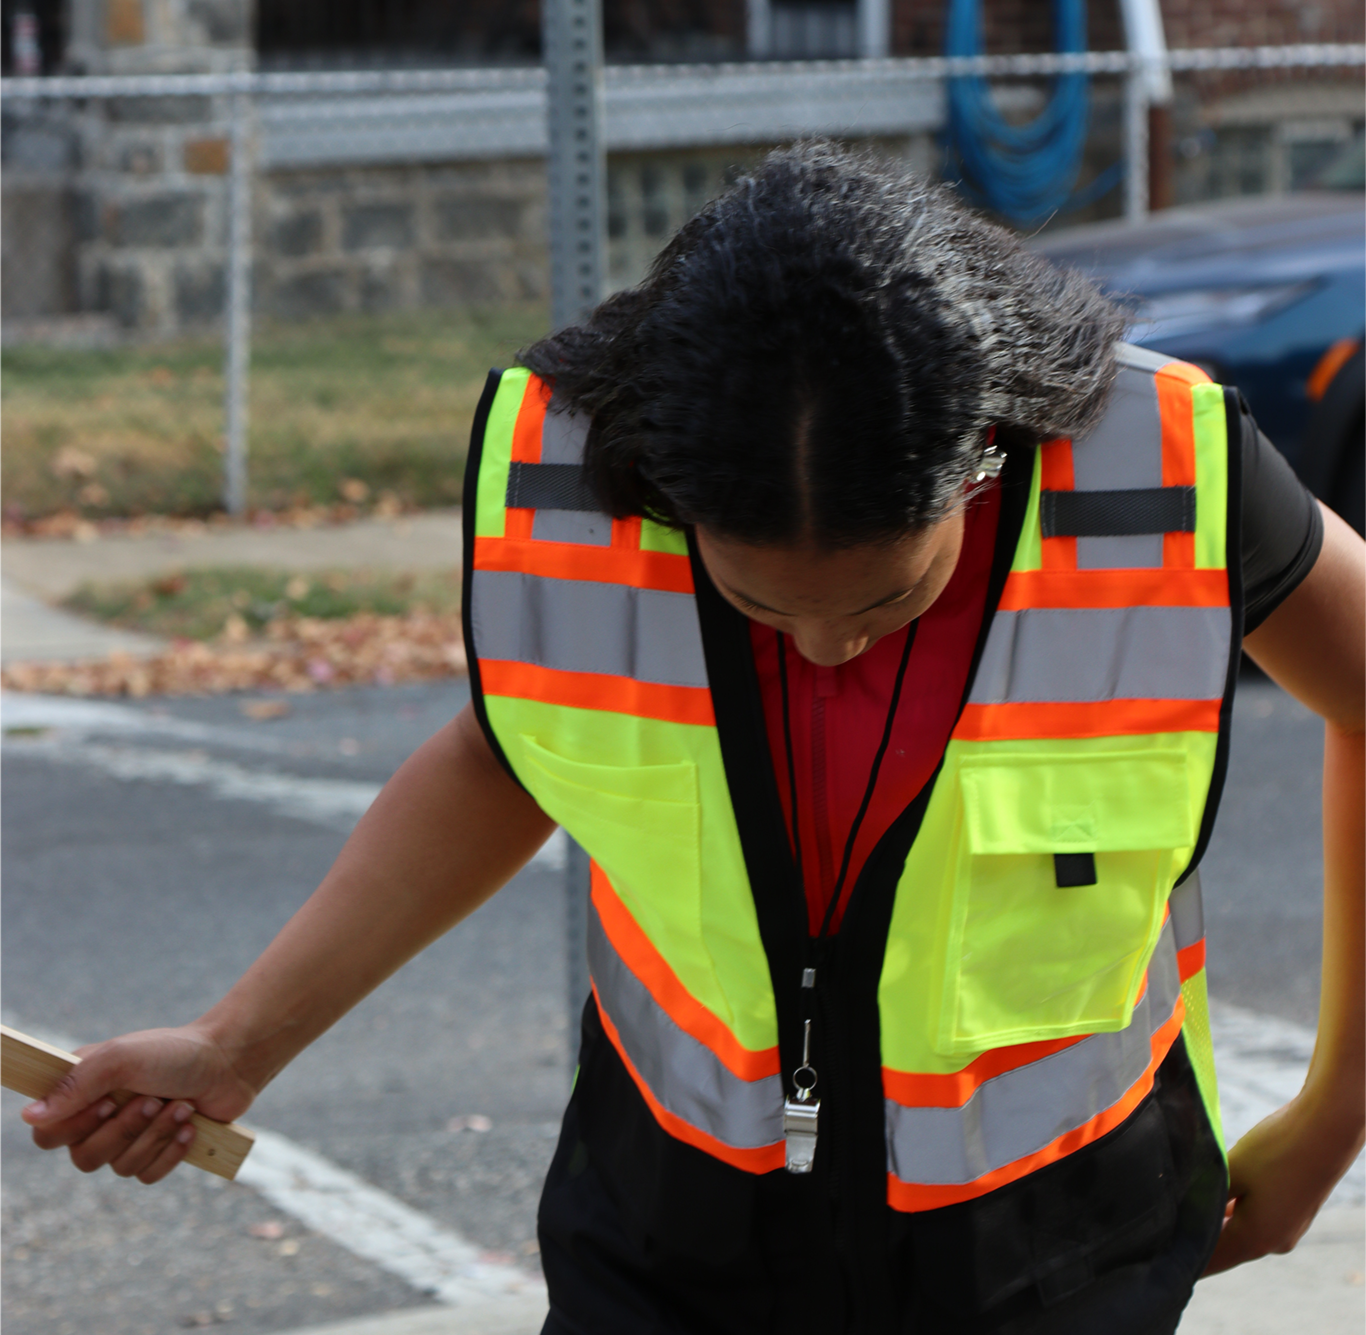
(754, 602)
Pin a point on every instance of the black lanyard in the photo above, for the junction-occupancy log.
(801, 1110)
(867, 792)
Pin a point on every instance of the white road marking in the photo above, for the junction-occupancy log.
(375, 1225)
(336, 804)
(368, 1222)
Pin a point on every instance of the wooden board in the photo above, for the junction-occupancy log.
(31, 1067)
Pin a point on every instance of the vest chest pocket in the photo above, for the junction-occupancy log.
(1030, 954)
(640, 823)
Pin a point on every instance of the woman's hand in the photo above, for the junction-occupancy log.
(1280, 1174)
(173, 1072)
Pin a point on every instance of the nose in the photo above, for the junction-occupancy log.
(829, 646)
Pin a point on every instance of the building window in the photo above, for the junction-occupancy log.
(34, 36)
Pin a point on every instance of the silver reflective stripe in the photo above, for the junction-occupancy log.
(562, 441)
(1078, 654)
(563, 436)
(586, 527)
(1025, 1110)
(1188, 912)
(1123, 451)
(578, 625)
(685, 1076)
(1140, 551)
(1142, 359)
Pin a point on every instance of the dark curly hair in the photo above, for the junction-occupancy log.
(819, 356)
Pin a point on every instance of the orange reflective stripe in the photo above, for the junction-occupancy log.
(526, 448)
(765, 1159)
(572, 560)
(1191, 959)
(1173, 383)
(922, 1090)
(1027, 589)
(592, 690)
(653, 970)
(1055, 474)
(626, 533)
(1100, 718)
(526, 434)
(911, 1196)
(1191, 375)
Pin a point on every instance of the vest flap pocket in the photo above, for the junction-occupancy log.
(628, 783)
(1039, 803)
(1060, 879)
(640, 823)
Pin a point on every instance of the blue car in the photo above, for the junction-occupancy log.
(1268, 294)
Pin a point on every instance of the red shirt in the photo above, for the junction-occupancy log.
(839, 713)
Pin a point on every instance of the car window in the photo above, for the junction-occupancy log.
(1346, 170)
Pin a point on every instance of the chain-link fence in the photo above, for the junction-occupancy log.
(356, 248)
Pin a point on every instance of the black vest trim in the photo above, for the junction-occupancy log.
(469, 504)
(1233, 559)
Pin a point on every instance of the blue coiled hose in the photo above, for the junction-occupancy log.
(1024, 172)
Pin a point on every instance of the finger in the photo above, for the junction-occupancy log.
(73, 1130)
(170, 1156)
(81, 1087)
(159, 1135)
(114, 1138)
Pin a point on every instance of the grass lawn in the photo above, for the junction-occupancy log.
(343, 410)
(240, 602)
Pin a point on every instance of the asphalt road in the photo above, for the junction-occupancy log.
(136, 893)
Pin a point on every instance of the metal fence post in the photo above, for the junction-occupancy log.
(572, 37)
(577, 178)
(1136, 142)
(237, 359)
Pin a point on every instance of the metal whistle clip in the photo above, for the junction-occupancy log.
(801, 1114)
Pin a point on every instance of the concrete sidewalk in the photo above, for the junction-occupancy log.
(41, 571)
(33, 632)
(1316, 1289)
(55, 567)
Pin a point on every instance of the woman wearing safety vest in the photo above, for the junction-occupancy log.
(871, 614)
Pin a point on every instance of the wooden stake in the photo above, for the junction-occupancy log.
(31, 1067)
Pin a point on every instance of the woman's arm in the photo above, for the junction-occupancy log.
(447, 831)
(1281, 1172)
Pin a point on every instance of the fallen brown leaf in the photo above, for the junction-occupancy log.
(299, 654)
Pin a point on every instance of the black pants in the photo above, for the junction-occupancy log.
(1108, 1241)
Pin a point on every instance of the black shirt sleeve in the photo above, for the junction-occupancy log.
(1282, 526)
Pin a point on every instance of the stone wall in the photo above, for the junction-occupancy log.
(387, 238)
(151, 211)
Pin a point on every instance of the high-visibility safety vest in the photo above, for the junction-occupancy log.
(1043, 939)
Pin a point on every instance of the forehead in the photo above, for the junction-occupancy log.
(813, 579)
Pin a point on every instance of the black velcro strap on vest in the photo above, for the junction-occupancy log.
(1072, 869)
(549, 487)
(1117, 514)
